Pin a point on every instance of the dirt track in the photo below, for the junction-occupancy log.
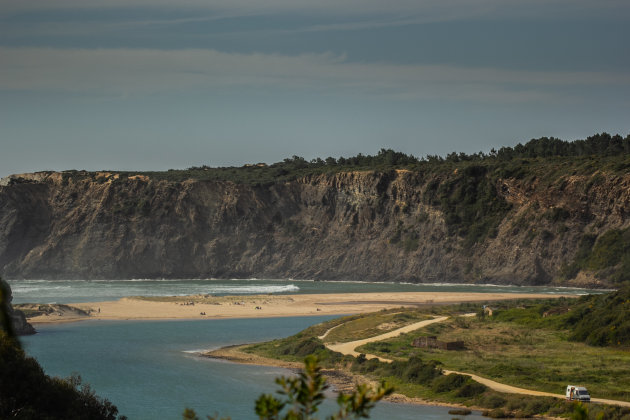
(349, 349)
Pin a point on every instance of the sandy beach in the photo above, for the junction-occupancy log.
(262, 306)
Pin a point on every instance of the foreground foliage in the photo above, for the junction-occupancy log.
(303, 394)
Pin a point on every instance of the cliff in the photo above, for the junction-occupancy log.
(461, 222)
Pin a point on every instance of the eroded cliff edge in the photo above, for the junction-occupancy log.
(460, 225)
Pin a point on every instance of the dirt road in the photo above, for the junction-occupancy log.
(349, 348)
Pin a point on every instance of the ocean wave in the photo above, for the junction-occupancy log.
(28, 289)
(253, 289)
(196, 351)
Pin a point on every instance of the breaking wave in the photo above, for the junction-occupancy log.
(253, 289)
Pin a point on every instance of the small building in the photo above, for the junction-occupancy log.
(431, 342)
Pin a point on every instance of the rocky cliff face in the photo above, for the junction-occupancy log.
(352, 225)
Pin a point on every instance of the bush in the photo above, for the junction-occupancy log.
(446, 383)
(497, 413)
(309, 346)
(459, 412)
(416, 371)
(471, 389)
(493, 401)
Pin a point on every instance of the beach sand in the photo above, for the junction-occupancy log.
(264, 306)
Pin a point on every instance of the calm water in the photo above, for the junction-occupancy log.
(65, 291)
(149, 369)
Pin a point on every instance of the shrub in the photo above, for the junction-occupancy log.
(493, 401)
(471, 389)
(497, 413)
(447, 383)
(460, 411)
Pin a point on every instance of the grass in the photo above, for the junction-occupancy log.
(370, 326)
(296, 347)
(538, 359)
(517, 346)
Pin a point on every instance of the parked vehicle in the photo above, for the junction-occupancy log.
(577, 393)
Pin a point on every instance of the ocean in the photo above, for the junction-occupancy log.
(69, 291)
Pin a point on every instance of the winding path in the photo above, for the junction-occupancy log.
(349, 349)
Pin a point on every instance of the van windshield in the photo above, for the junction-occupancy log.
(583, 392)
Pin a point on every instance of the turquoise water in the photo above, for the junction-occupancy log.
(150, 370)
(66, 291)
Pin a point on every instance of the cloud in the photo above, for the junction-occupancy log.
(427, 10)
(148, 71)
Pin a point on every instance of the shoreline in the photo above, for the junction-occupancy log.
(340, 380)
(257, 306)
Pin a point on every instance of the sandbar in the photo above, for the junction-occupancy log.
(264, 306)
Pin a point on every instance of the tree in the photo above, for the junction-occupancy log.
(303, 395)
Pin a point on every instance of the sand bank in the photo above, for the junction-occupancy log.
(264, 306)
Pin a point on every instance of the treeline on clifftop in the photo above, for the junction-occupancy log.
(601, 145)
(466, 190)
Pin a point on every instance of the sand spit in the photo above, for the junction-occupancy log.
(264, 306)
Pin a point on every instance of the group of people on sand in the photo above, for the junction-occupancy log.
(191, 303)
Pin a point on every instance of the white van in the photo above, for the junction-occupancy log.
(577, 393)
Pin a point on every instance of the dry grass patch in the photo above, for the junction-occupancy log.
(373, 325)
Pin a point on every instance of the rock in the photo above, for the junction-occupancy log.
(20, 325)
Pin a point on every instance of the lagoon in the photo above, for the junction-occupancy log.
(150, 369)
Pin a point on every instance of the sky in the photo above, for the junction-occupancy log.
(157, 84)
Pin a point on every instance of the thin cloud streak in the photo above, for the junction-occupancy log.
(146, 71)
(429, 10)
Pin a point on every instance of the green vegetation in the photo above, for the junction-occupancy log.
(602, 320)
(369, 326)
(415, 372)
(597, 320)
(26, 392)
(465, 187)
(544, 344)
(536, 151)
(470, 202)
(303, 394)
(608, 255)
(307, 342)
(536, 345)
